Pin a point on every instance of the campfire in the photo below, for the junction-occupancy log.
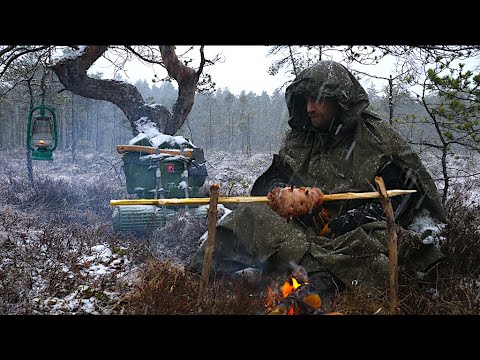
(297, 296)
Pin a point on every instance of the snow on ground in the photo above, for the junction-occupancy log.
(49, 269)
(53, 247)
(424, 224)
(464, 173)
(82, 266)
(101, 264)
(235, 173)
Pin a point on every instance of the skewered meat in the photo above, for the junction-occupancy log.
(290, 201)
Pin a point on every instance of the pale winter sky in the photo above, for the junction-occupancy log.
(244, 68)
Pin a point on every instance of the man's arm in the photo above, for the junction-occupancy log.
(279, 174)
(359, 213)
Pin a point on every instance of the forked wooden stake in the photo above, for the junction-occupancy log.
(209, 246)
(392, 244)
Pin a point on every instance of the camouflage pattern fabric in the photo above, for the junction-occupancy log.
(345, 158)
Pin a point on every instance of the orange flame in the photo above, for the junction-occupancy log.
(274, 298)
(288, 287)
(291, 285)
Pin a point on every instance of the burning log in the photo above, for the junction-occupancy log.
(297, 296)
(298, 299)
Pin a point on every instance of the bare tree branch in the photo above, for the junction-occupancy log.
(15, 53)
(72, 73)
(187, 80)
(142, 57)
(202, 62)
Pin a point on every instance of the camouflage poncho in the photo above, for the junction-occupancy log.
(345, 158)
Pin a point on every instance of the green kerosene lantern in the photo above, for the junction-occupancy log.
(42, 135)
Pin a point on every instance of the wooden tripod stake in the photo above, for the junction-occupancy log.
(392, 244)
(212, 224)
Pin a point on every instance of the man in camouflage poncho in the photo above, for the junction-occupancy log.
(343, 154)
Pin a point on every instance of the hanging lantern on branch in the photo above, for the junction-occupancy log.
(42, 132)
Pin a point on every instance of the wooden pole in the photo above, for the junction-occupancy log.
(251, 199)
(392, 244)
(153, 150)
(209, 246)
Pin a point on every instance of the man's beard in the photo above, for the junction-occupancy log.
(325, 123)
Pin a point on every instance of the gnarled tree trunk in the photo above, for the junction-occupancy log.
(72, 73)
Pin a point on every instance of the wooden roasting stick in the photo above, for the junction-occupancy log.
(252, 199)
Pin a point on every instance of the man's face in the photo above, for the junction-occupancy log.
(321, 112)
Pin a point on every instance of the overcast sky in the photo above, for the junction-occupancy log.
(244, 68)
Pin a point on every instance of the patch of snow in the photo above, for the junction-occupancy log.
(156, 138)
(227, 211)
(203, 238)
(96, 270)
(474, 197)
(154, 105)
(71, 54)
(220, 207)
(251, 273)
(424, 222)
(166, 157)
(182, 185)
(103, 252)
(427, 227)
(137, 138)
(62, 178)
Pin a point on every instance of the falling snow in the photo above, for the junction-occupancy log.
(101, 263)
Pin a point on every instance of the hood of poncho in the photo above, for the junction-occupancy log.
(348, 156)
(331, 80)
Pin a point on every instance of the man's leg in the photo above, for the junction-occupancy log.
(253, 235)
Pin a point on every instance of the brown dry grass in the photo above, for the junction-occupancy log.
(165, 289)
(451, 287)
(72, 217)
